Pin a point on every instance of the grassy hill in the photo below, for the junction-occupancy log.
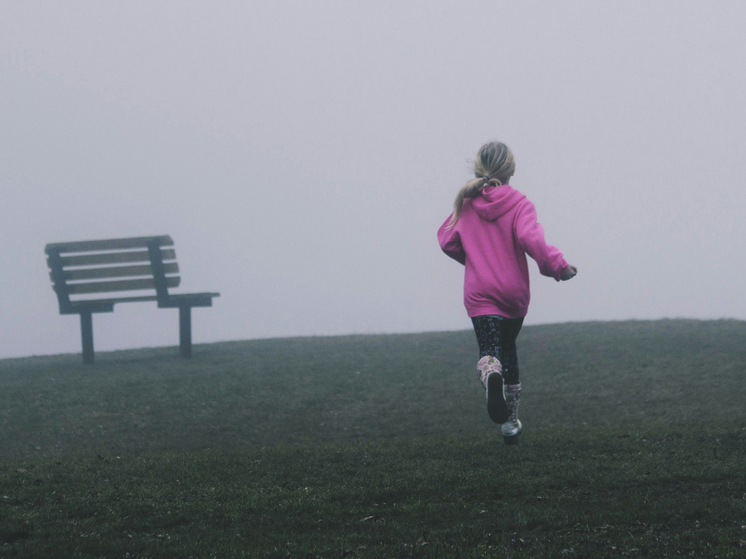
(326, 389)
(380, 446)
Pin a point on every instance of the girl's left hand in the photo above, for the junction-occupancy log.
(569, 273)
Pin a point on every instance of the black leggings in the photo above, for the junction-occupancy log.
(496, 336)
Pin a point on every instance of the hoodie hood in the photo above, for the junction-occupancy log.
(495, 201)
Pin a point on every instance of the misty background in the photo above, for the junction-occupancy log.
(302, 155)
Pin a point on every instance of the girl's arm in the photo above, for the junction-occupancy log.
(530, 236)
(450, 242)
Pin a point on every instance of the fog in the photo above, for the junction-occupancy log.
(302, 155)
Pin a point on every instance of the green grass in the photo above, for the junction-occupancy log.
(591, 492)
(379, 446)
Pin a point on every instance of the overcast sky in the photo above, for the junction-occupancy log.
(303, 155)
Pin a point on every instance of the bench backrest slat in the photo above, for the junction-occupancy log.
(108, 244)
(114, 258)
(119, 285)
(116, 272)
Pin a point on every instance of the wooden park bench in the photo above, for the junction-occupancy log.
(83, 268)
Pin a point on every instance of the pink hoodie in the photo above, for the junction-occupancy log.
(491, 238)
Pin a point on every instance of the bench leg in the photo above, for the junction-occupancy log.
(86, 331)
(185, 331)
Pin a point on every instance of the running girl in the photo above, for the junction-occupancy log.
(491, 229)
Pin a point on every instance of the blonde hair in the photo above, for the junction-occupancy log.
(493, 166)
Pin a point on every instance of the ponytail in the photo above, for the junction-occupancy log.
(471, 189)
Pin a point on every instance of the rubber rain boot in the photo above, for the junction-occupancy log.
(512, 427)
(489, 370)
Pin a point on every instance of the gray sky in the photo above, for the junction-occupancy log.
(303, 155)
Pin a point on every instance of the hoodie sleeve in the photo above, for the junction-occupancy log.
(450, 242)
(530, 236)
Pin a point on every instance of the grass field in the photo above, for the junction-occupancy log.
(379, 446)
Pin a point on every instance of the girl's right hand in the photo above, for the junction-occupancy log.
(569, 273)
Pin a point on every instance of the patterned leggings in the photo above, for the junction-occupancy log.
(496, 336)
